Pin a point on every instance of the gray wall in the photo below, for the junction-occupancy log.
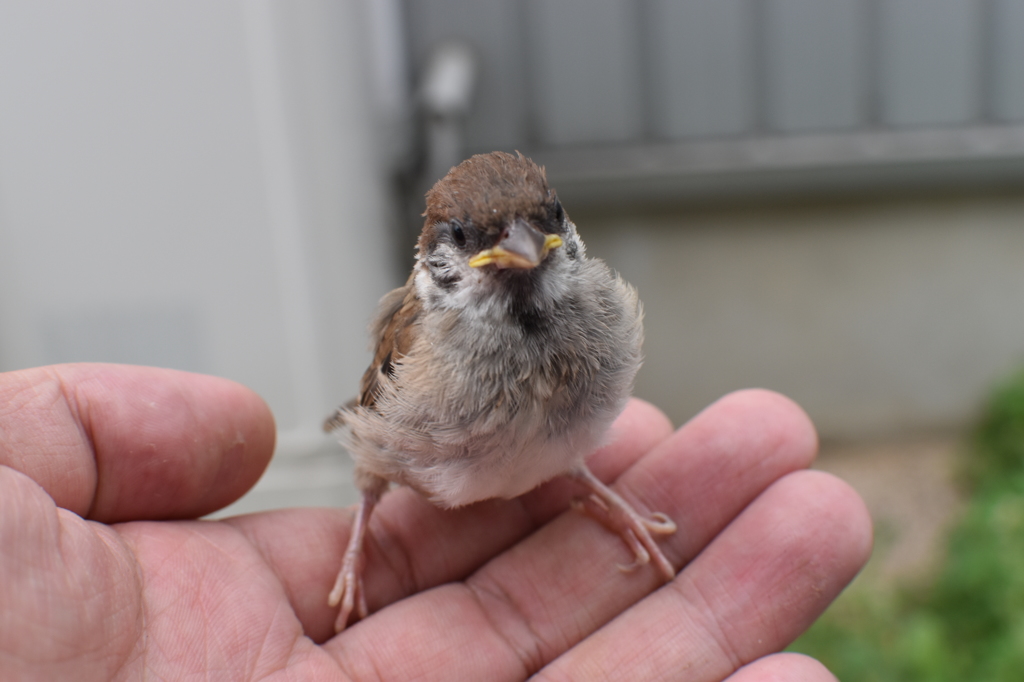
(879, 315)
(558, 73)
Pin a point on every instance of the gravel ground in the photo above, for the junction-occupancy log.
(909, 486)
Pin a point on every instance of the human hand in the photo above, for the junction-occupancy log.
(497, 591)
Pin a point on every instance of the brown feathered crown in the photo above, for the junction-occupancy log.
(487, 189)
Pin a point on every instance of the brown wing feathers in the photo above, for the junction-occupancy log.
(398, 312)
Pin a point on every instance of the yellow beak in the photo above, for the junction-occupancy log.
(523, 246)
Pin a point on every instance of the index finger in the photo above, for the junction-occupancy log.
(118, 442)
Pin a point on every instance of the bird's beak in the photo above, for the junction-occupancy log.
(522, 246)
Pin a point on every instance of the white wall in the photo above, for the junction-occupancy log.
(194, 184)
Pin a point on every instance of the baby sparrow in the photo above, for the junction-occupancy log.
(499, 365)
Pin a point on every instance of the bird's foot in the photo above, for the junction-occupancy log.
(348, 591)
(606, 506)
(348, 587)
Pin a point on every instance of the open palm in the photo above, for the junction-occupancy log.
(97, 582)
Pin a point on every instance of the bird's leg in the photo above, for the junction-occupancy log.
(348, 588)
(603, 504)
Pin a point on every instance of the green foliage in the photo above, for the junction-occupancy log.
(969, 622)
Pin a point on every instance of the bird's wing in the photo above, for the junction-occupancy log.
(399, 311)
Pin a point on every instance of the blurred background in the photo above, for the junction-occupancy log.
(821, 197)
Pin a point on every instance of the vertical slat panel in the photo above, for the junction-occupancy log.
(931, 61)
(586, 70)
(492, 28)
(1008, 60)
(703, 67)
(816, 64)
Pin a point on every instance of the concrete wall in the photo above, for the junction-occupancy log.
(879, 315)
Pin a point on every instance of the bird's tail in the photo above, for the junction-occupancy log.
(337, 418)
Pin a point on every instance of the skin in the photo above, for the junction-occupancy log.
(100, 583)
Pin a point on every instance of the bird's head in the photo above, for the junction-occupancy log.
(493, 227)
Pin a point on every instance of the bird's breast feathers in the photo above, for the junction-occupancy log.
(482, 407)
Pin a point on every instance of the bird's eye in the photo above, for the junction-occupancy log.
(559, 212)
(458, 234)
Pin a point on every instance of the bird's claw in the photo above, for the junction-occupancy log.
(660, 523)
(349, 593)
(604, 505)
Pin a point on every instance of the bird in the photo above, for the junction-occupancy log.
(498, 366)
